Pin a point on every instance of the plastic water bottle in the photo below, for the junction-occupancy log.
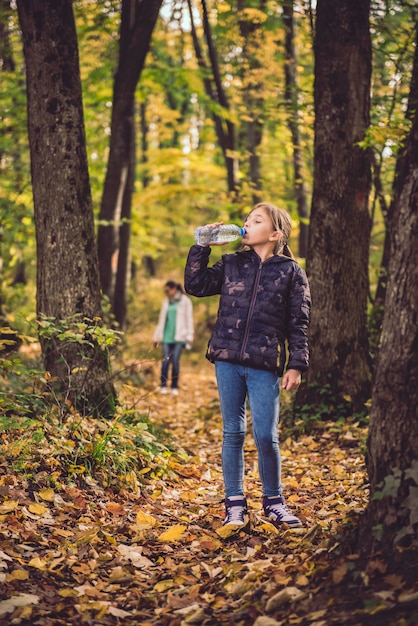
(219, 234)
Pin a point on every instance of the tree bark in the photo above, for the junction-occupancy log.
(340, 223)
(67, 265)
(137, 25)
(392, 459)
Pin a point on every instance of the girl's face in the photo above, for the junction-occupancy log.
(260, 229)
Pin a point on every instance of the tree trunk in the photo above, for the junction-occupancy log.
(230, 153)
(340, 223)
(224, 131)
(292, 99)
(252, 84)
(387, 212)
(123, 273)
(392, 459)
(137, 25)
(67, 266)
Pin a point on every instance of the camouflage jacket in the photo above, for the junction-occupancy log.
(262, 306)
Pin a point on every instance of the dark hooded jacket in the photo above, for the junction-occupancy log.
(262, 305)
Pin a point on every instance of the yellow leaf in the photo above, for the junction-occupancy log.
(68, 593)
(64, 533)
(109, 537)
(188, 496)
(18, 574)
(269, 528)
(164, 585)
(37, 562)
(173, 533)
(228, 531)
(37, 509)
(9, 506)
(302, 580)
(145, 520)
(47, 494)
(77, 469)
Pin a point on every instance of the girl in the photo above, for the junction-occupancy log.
(265, 301)
(174, 330)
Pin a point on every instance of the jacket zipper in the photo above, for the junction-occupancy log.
(251, 310)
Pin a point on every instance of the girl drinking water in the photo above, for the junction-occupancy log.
(264, 305)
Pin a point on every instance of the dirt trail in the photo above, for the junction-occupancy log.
(94, 556)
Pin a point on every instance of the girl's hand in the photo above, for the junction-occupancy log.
(214, 225)
(291, 380)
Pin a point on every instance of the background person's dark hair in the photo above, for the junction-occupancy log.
(171, 284)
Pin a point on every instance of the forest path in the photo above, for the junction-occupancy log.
(96, 556)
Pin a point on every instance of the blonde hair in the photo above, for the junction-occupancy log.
(280, 220)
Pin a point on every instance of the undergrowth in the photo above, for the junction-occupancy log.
(41, 432)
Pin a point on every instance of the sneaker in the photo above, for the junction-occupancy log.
(175, 392)
(163, 390)
(236, 513)
(276, 511)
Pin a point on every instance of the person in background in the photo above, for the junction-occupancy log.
(174, 331)
(264, 304)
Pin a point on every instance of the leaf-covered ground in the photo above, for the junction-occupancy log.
(76, 553)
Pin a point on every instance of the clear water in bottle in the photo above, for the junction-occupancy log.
(219, 234)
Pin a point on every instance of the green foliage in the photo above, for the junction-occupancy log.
(322, 405)
(80, 330)
(122, 453)
(41, 430)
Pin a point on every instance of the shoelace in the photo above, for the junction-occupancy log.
(280, 510)
(280, 513)
(235, 515)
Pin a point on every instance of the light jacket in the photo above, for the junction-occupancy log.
(184, 321)
(262, 306)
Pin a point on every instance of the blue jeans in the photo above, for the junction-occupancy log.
(235, 383)
(171, 356)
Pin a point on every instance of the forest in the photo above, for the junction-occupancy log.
(124, 126)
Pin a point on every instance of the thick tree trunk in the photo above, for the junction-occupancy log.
(387, 212)
(137, 25)
(340, 223)
(292, 99)
(392, 459)
(67, 266)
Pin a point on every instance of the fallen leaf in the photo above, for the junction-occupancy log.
(8, 506)
(144, 520)
(37, 509)
(47, 494)
(173, 533)
(228, 531)
(339, 573)
(289, 594)
(37, 563)
(23, 599)
(115, 508)
(135, 556)
(18, 574)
